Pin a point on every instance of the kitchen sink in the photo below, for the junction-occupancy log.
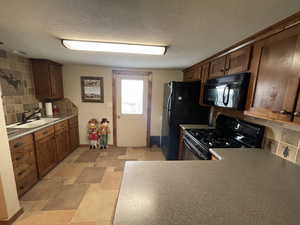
(34, 123)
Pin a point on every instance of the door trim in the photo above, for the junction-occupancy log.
(117, 73)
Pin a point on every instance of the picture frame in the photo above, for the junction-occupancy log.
(92, 89)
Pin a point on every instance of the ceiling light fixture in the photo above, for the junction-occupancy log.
(114, 47)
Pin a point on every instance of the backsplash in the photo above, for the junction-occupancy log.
(281, 139)
(17, 86)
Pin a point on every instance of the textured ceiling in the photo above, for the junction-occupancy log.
(194, 29)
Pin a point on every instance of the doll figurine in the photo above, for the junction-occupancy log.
(103, 133)
(93, 133)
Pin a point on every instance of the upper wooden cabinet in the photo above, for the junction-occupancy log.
(204, 77)
(217, 67)
(238, 61)
(276, 69)
(234, 62)
(192, 73)
(47, 79)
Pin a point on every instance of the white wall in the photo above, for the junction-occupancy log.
(71, 78)
(9, 203)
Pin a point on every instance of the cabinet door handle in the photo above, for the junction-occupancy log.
(21, 187)
(45, 132)
(20, 173)
(19, 158)
(283, 112)
(18, 144)
(296, 113)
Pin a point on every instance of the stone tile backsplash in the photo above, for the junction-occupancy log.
(17, 86)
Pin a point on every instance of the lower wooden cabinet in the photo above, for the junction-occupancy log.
(34, 155)
(24, 163)
(74, 133)
(45, 154)
(62, 140)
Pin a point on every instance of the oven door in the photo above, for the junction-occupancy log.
(191, 152)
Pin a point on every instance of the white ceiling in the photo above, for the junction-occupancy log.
(194, 29)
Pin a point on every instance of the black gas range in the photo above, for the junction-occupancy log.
(229, 133)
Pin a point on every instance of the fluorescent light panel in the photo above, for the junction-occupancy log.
(114, 47)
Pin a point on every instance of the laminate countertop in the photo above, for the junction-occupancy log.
(14, 133)
(245, 187)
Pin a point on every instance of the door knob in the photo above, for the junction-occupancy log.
(119, 116)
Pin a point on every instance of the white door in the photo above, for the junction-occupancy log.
(131, 95)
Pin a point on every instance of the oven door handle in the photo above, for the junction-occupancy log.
(193, 149)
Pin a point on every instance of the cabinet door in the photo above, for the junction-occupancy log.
(42, 80)
(238, 61)
(192, 73)
(56, 80)
(217, 67)
(275, 65)
(60, 146)
(204, 77)
(45, 152)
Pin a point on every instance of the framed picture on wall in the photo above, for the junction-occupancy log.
(92, 89)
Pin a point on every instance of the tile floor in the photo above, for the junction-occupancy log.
(83, 189)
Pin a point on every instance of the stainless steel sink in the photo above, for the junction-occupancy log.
(33, 124)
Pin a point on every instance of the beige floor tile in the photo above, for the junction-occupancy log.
(47, 218)
(68, 198)
(43, 190)
(84, 223)
(71, 169)
(91, 175)
(153, 156)
(104, 222)
(111, 180)
(97, 204)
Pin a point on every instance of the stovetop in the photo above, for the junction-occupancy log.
(214, 138)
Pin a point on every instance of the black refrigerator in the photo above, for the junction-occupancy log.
(180, 106)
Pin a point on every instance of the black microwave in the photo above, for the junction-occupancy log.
(229, 91)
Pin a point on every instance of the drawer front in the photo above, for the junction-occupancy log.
(44, 133)
(27, 181)
(22, 154)
(61, 126)
(21, 142)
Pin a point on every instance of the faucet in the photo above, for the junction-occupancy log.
(25, 118)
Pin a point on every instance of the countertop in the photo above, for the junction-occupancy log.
(19, 132)
(195, 126)
(246, 187)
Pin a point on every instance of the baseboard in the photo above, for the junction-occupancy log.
(13, 218)
(154, 141)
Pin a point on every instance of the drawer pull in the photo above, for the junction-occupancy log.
(22, 172)
(19, 158)
(21, 187)
(18, 144)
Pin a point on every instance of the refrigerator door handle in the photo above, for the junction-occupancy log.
(168, 106)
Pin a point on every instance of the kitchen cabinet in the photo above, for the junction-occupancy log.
(217, 67)
(45, 146)
(74, 133)
(193, 73)
(276, 70)
(62, 140)
(238, 61)
(204, 77)
(235, 62)
(48, 79)
(24, 163)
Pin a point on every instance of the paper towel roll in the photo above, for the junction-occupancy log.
(49, 111)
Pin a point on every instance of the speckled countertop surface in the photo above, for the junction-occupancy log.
(19, 132)
(195, 126)
(246, 187)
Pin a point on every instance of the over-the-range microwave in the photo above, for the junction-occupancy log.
(229, 91)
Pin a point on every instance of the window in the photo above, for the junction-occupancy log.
(132, 92)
